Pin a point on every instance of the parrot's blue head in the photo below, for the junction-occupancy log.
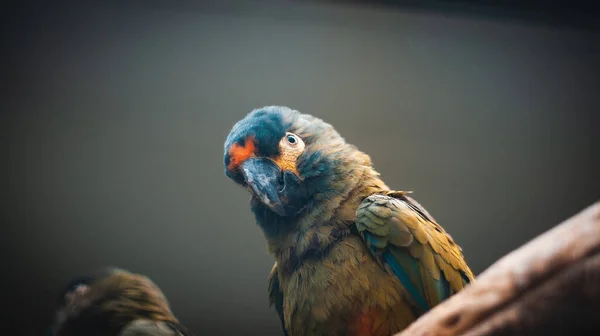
(286, 159)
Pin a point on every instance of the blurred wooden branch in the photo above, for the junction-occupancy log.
(549, 286)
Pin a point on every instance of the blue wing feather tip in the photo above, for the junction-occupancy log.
(443, 288)
(405, 280)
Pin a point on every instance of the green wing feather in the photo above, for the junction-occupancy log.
(409, 244)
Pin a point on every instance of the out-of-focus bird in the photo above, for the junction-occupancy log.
(352, 256)
(114, 302)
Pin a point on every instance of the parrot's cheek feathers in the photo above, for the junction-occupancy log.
(281, 191)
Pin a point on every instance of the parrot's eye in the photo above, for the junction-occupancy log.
(292, 139)
(290, 146)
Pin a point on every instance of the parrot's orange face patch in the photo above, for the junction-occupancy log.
(290, 147)
(286, 164)
(240, 153)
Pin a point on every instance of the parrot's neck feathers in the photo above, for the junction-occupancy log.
(325, 224)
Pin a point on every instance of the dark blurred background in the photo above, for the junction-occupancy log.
(114, 118)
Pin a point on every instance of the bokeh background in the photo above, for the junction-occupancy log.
(115, 115)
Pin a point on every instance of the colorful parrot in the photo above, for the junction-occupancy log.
(352, 256)
(114, 302)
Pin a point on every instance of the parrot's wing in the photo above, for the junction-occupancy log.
(276, 296)
(144, 327)
(409, 244)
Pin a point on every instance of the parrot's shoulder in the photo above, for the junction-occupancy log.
(410, 243)
(403, 196)
(390, 210)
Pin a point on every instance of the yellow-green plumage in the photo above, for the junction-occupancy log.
(350, 280)
(407, 234)
(358, 258)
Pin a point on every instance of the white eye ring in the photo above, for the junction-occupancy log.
(292, 139)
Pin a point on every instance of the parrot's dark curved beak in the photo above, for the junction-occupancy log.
(264, 178)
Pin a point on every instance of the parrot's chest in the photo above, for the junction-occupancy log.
(344, 293)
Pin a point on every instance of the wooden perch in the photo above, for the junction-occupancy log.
(549, 286)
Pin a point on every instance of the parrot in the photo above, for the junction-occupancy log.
(114, 301)
(352, 256)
